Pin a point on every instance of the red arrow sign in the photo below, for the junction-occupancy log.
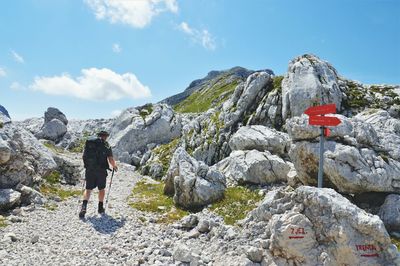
(317, 120)
(321, 109)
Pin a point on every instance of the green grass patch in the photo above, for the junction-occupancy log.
(396, 241)
(53, 178)
(52, 187)
(57, 190)
(236, 204)
(202, 100)
(149, 197)
(146, 110)
(277, 82)
(165, 152)
(3, 222)
(50, 206)
(53, 147)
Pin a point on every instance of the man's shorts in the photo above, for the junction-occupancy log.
(95, 178)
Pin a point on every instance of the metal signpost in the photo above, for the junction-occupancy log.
(317, 118)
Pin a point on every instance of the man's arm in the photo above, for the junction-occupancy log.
(113, 163)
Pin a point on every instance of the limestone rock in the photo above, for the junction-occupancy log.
(54, 113)
(131, 132)
(9, 199)
(260, 138)
(309, 80)
(349, 169)
(390, 213)
(312, 226)
(29, 195)
(29, 159)
(253, 167)
(53, 130)
(193, 183)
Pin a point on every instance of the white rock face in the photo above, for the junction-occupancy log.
(260, 138)
(28, 159)
(361, 154)
(390, 213)
(29, 195)
(245, 96)
(131, 133)
(9, 199)
(311, 226)
(4, 116)
(308, 80)
(193, 183)
(53, 130)
(253, 167)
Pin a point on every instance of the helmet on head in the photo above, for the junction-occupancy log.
(103, 133)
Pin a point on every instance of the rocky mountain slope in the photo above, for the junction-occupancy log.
(234, 132)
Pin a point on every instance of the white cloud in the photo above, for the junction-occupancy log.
(135, 13)
(16, 86)
(116, 113)
(2, 72)
(93, 84)
(17, 57)
(116, 48)
(202, 37)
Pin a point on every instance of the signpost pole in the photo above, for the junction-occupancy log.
(321, 158)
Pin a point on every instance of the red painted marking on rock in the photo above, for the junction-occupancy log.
(296, 237)
(370, 255)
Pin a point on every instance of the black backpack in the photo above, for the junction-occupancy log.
(95, 154)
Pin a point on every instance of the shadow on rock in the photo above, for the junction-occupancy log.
(106, 224)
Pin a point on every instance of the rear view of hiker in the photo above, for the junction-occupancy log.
(97, 156)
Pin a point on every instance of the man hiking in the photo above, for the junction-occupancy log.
(96, 157)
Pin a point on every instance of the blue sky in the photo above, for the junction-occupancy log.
(91, 58)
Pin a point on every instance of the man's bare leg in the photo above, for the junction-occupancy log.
(102, 193)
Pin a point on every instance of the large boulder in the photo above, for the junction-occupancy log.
(245, 97)
(390, 213)
(311, 226)
(53, 130)
(4, 116)
(9, 199)
(23, 158)
(309, 80)
(361, 154)
(253, 167)
(349, 169)
(54, 113)
(260, 138)
(192, 183)
(134, 129)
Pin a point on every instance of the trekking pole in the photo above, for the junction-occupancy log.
(83, 188)
(109, 189)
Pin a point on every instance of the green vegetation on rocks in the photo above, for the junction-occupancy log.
(165, 152)
(52, 187)
(204, 99)
(81, 144)
(236, 204)
(1, 124)
(146, 110)
(356, 96)
(53, 147)
(149, 197)
(396, 241)
(3, 222)
(277, 82)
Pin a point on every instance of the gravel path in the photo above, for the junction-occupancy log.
(124, 236)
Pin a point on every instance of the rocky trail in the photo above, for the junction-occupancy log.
(123, 236)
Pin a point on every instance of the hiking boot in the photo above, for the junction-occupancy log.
(82, 212)
(101, 209)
